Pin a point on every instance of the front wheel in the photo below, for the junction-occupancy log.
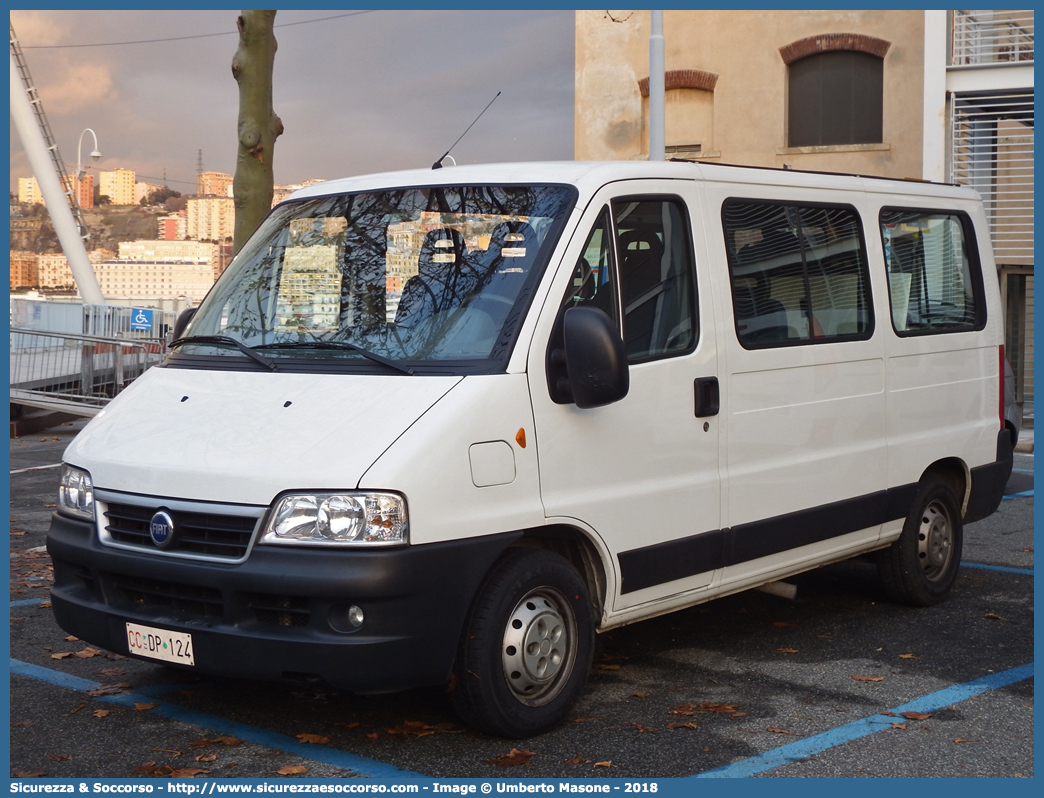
(526, 647)
(921, 566)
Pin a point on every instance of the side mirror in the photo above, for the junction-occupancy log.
(595, 358)
(183, 321)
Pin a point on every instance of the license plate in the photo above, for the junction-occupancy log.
(144, 641)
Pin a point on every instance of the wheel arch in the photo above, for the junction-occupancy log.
(958, 474)
(577, 547)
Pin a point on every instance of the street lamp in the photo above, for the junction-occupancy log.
(95, 155)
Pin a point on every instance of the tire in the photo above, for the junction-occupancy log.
(532, 599)
(921, 566)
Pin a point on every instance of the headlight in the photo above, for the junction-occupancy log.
(76, 492)
(338, 519)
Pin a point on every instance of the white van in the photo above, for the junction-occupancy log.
(447, 425)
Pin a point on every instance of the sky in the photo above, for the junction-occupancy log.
(357, 92)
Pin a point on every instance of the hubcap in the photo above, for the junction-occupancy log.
(538, 648)
(935, 541)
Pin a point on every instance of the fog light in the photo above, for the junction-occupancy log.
(355, 616)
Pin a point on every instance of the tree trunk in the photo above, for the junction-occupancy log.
(259, 127)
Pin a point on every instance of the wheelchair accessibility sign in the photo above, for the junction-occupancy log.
(141, 319)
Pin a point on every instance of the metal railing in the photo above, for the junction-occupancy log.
(106, 321)
(74, 373)
(991, 37)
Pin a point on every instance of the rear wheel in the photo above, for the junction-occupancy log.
(921, 566)
(527, 646)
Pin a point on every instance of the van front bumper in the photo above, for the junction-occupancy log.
(283, 612)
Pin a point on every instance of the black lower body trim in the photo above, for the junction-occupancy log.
(989, 481)
(719, 548)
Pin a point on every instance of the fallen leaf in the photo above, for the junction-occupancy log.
(87, 653)
(994, 616)
(782, 623)
(72, 638)
(889, 714)
(108, 689)
(70, 714)
(373, 735)
(207, 757)
(684, 709)
(45, 604)
(21, 724)
(916, 715)
(606, 764)
(512, 758)
(776, 730)
(351, 725)
(313, 739)
(576, 760)
(102, 713)
(639, 695)
(228, 740)
(152, 769)
(143, 707)
(728, 709)
(174, 752)
(642, 728)
(291, 770)
(62, 655)
(686, 725)
(612, 657)
(869, 678)
(962, 740)
(584, 720)
(59, 758)
(787, 650)
(602, 667)
(907, 656)
(186, 773)
(899, 726)
(29, 774)
(112, 671)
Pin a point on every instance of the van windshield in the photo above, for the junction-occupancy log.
(438, 276)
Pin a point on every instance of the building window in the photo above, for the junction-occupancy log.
(835, 98)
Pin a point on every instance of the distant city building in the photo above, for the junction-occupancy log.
(139, 279)
(29, 191)
(84, 190)
(53, 270)
(143, 190)
(173, 227)
(118, 186)
(24, 272)
(215, 184)
(163, 250)
(210, 218)
(280, 193)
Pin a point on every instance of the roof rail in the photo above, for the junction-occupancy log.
(814, 172)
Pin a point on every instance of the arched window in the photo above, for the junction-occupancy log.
(835, 90)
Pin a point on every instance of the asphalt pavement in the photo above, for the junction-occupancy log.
(749, 685)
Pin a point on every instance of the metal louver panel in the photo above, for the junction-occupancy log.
(992, 152)
(992, 37)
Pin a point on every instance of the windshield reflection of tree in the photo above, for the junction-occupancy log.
(467, 307)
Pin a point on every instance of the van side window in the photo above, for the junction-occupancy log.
(593, 280)
(656, 281)
(798, 273)
(934, 285)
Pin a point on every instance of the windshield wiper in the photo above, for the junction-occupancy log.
(366, 353)
(226, 339)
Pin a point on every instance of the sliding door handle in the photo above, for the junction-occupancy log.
(707, 397)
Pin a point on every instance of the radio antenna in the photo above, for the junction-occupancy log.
(438, 163)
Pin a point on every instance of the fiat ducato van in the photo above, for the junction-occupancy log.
(446, 426)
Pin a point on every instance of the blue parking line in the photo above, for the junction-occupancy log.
(27, 602)
(250, 734)
(1004, 568)
(817, 743)
(1024, 494)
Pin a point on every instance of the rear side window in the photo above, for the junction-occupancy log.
(798, 273)
(934, 275)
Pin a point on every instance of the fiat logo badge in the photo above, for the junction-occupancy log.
(161, 529)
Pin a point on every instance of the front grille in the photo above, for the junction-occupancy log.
(213, 534)
(281, 610)
(173, 597)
